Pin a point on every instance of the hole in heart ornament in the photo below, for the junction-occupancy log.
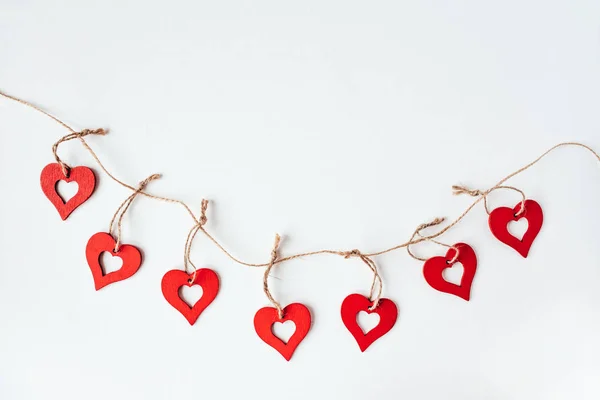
(66, 190)
(500, 218)
(284, 330)
(83, 176)
(433, 271)
(104, 242)
(355, 303)
(266, 317)
(174, 280)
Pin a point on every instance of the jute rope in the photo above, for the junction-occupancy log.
(266, 276)
(413, 240)
(190, 239)
(75, 135)
(426, 225)
(458, 190)
(377, 281)
(124, 207)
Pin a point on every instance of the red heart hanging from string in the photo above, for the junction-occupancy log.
(101, 242)
(175, 279)
(267, 316)
(53, 173)
(500, 217)
(355, 303)
(433, 270)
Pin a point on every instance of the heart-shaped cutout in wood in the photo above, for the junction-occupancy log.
(175, 280)
(52, 174)
(433, 271)
(101, 242)
(355, 303)
(267, 316)
(501, 216)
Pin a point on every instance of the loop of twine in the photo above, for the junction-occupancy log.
(125, 206)
(266, 276)
(75, 135)
(190, 239)
(426, 225)
(412, 241)
(376, 277)
(458, 190)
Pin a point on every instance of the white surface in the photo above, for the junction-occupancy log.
(338, 124)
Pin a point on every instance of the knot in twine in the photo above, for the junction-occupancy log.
(73, 135)
(125, 206)
(190, 239)
(374, 298)
(274, 255)
(458, 190)
(426, 225)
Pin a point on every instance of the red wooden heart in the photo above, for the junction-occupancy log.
(434, 267)
(500, 217)
(86, 181)
(267, 316)
(101, 242)
(175, 279)
(355, 303)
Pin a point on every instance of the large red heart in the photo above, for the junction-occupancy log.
(176, 279)
(267, 316)
(355, 303)
(434, 267)
(101, 242)
(500, 217)
(86, 182)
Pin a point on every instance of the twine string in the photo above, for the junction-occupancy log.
(458, 190)
(414, 240)
(377, 281)
(187, 261)
(74, 135)
(124, 207)
(270, 265)
(426, 225)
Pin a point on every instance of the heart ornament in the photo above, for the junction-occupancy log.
(500, 218)
(266, 317)
(101, 242)
(176, 279)
(355, 303)
(53, 173)
(434, 267)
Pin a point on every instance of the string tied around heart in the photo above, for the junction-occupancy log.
(374, 297)
(458, 190)
(272, 262)
(74, 135)
(426, 225)
(190, 239)
(124, 207)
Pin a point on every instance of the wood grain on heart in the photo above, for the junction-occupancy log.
(355, 303)
(52, 174)
(266, 317)
(175, 279)
(433, 271)
(101, 242)
(500, 218)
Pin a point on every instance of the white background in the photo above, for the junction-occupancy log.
(339, 124)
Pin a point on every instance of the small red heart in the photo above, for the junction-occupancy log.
(267, 316)
(101, 242)
(355, 303)
(86, 182)
(500, 217)
(176, 279)
(434, 267)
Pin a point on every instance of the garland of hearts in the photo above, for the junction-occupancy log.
(174, 280)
